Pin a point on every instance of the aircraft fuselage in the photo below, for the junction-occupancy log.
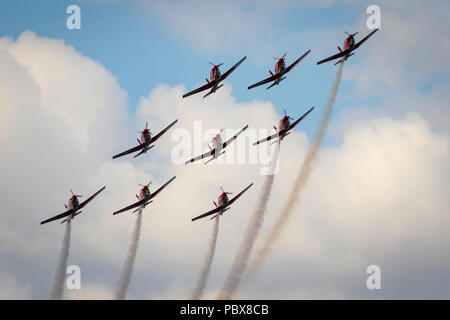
(349, 44)
(280, 67)
(215, 77)
(73, 203)
(146, 137)
(222, 201)
(217, 144)
(283, 126)
(144, 194)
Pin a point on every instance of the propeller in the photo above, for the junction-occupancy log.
(146, 127)
(76, 195)
(147, 185)
(220, 132)
(224, 191)
(287, 115)
(215, 65)
(351, 34)
(284, 56)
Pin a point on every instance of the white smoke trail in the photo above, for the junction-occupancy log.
(245, 249)
(129, 260)
(60, 275)
(301, 180)
(204, 274)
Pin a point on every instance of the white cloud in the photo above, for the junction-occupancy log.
(10, 289)
(379, 198)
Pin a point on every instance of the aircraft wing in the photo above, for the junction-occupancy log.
(134, 205)
(299, 119)
(275, 135)
(216, 210)
(339, 55)
(154, 194)
(162, 132)
(363, 40)
(202, 88)
(297, 61)
(226, 74)
(267, 80)
(205, 155)
(239, 194)
(226, 143)
(137, 148)
(85, 202)
(59, 216)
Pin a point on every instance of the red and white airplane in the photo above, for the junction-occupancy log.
(214, 79)
(145, 197)
(284, 127)
(349, 47)
(222, 204)
(218, 146)
(145, 142)
(73, 206)
(280, 71)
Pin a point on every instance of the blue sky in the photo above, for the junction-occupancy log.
(136, 47)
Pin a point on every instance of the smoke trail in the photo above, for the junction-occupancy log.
(60, 275)
(204, 274)
(301, 180)
(129, 260)
(255, 224)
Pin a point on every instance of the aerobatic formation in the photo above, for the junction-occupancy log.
(145, 197)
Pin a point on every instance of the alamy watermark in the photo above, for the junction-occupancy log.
(374, 280)
(74, 20)
(73, 279)
(374, 20)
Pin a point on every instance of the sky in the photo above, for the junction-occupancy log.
(70, 99)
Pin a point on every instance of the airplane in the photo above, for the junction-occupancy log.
(214, 79)
(284, 127)
(218, 145)
(349, 47)
(145, 142)
(280, 71)
(145, 197)
(73, 206)
(222, 204)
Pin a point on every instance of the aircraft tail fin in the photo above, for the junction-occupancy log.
(213, 158)
(274, 83)
(142, 206)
